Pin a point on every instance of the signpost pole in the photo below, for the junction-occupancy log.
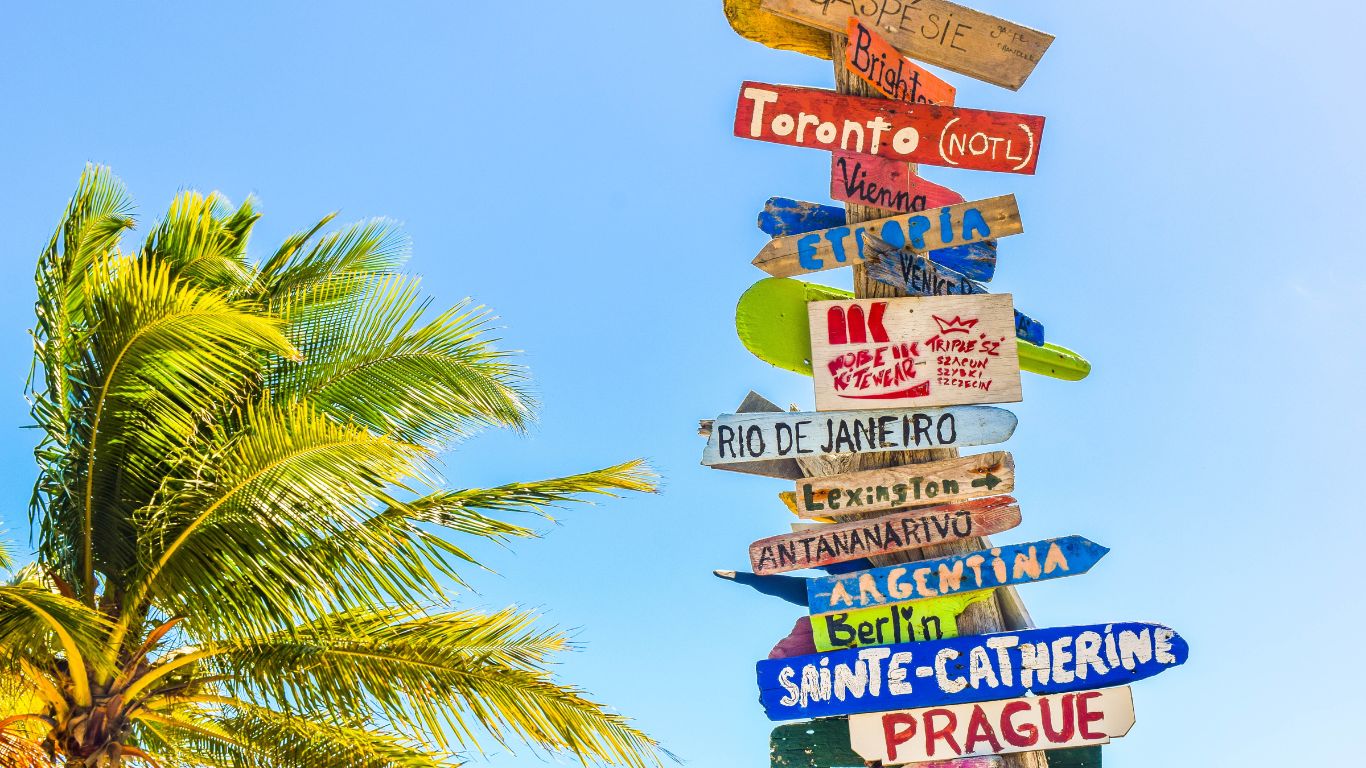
(984, 616)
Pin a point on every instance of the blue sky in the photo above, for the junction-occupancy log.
(1191, 230)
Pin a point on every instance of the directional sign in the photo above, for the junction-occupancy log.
(789, 588)
(932, 230)
(936, 350)
(908, 485)
(1025, 724)
(918, 275)
(824, 743)
(995, 567)
(973, 139)
(939, 32)
(743, 437)
(841, 542)
(892, 624)
(881, 182)
(961, 670)
(880, 65)
(753, 23)
(771, 320)
(783, 216)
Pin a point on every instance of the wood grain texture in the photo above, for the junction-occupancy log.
(882, 66)
(972, 139)
(999, 566)
(967, 669)
(883, 534)
(1086, 719)
(886, 183)
(754, 23)
(892, 624)
(914, 351)
(749, 437)
(946, 34)
(912, 485)
(949, 226)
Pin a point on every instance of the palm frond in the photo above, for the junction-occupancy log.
(303, 741)
(203, 240)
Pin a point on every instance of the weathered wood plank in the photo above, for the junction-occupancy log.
(996, 567)
(967, 669)
(737, 437)
(791, 589)
(885, 183)
(824, 743)
(1089, 718)
(842, 542)
(882, 66)
(909, 485)
(892, 624)
(917, 275)
(753, 23)
(932, 351)
(945, 34)
(972, 139)
(932, 230)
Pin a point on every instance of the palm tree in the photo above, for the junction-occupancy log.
(242, 536)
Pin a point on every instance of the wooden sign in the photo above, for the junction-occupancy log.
(936, 31)
(983, 569)
(841, 542)
(909, 485)
(962, 670)
(783, 216)
(938, 350)
(933, 230)
(884, 183)
(972, 139)
(917, 275)
(878, 64)
(824, 743)
(791, 589)
(746, 437)
(753, 23)
(892, 624)
(1027, 724)
(771, 320)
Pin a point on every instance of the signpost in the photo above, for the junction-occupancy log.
(939, 350)
(885, 183)
(966, 669)
(892, 624)
(951, 575)
(943, 33)
(842, 542)
(973, 139)
(910, 485)
(945, 227)
(882, 66)
(993, 728)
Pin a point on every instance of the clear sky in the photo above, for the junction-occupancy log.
(1191, 231)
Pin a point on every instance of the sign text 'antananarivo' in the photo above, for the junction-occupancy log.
(972, 139)
(996, 567)
(930, 230)
(1021, 724)
(962, 670)
(745, 437)
(892, 624)
(882, 66)
(842, 542)
(937, 350)
(882, 490)
(952, 36)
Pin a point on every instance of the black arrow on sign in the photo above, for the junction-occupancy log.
(990, 481)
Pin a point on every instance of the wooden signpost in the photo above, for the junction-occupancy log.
(939, 350)
(966, 669)
(885, 183)
(911, 485)
(933, 230)
(882, 66)
(842, 542)
(996, 567)
(892, 624)
(825, 743)
(939, 32)
(736, 437)
(973, 139)
(1082, 719)
(754, 23)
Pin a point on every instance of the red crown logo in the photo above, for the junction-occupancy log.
(956, 325)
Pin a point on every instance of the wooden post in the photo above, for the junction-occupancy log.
(987, 615)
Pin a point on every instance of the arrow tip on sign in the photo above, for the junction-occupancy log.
(724, 574)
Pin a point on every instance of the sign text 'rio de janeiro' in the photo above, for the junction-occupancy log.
(966, 669)
(1021, 724)
(747, 437)
(937, 350)
(908, 485)
(973, 139)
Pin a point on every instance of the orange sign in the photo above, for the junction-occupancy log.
(875, 60)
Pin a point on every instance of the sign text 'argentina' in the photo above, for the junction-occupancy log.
(974, 139)
(966, 669)
(741, 437)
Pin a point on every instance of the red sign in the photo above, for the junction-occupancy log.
(913, 133)
(883, 183)
(893, 75)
